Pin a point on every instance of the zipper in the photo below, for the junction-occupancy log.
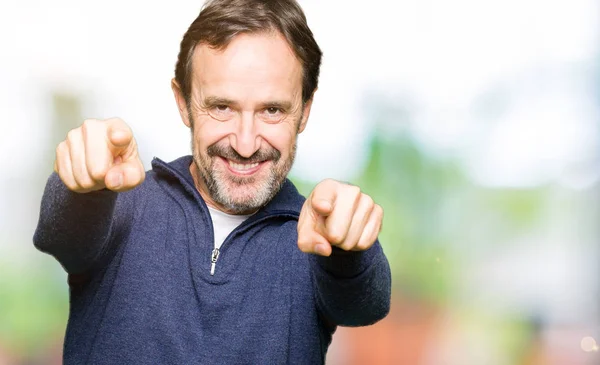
(255, 219)
(214, 256)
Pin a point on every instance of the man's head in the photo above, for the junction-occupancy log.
(244, 81)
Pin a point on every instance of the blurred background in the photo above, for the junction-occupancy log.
(475, 124)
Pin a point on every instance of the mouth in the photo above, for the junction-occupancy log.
(243, 169)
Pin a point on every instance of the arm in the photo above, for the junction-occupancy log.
(353, 288)
(84, 206)
(339, 225)
(76, 228)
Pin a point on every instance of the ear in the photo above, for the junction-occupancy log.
(306, 113)
(181, 104)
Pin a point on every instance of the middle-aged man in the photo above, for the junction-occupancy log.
(214, 258)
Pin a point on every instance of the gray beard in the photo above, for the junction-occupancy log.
(220, 185)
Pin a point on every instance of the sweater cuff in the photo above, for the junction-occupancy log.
(348, 264)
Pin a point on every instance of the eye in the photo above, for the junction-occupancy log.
(221, 112)
(272, 114)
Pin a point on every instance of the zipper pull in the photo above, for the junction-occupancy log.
(214, 256)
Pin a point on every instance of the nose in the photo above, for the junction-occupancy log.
(245, 139)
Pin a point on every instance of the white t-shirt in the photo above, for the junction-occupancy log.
(224, 224)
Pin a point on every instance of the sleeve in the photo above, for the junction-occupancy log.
(353, 288)
(77, 229)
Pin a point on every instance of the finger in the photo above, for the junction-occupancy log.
(322, 198)
(99, 157)
(119, 136)
(63, 166)
(322, 249)
(78, 164)
(338, 222)
(309, 240)
(125, 176)
(372, 229)
(359, 221)
(309, 220)
(314, 243)
(306, 223)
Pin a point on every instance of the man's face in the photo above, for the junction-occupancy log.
(245, 113)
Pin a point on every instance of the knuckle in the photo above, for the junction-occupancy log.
(347, 246)
(72, 134)
(87, 184)
(61, 148)
(369, 202)
(97, 172)
(70, 185)
(336, 237)
(81, 179)
(328, 181)
(88, 123)
(364, 245)
(353, 191)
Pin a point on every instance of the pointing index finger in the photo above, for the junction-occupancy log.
(323, 197)
(118, 136)
(104, 140)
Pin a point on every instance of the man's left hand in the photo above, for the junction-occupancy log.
(338, 214)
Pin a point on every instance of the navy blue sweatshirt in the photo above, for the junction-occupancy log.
(141, 290)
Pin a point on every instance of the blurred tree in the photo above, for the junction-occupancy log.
(34, 296)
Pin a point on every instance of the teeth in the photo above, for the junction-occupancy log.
(242, 167)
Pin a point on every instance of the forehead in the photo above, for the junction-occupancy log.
(252, 66)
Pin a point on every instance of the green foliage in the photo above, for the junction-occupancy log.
(433, 213)
(414, 191)
(33, 304)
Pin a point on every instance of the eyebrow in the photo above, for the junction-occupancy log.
(210, 101)
(216, 100)
(280, 104)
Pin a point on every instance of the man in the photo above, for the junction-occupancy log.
(214, 258)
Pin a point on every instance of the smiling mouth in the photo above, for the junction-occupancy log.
(243, 168)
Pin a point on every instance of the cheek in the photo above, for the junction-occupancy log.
(280, 137)
(209, 132)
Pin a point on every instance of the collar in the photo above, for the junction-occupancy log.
(287, 200)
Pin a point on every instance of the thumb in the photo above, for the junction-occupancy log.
(125, 176)
(314, 243)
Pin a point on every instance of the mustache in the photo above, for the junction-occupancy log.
(229, 153)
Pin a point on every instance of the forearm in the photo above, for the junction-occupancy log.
(353, 288)
(74, 228)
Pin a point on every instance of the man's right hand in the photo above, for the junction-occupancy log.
(99, 154)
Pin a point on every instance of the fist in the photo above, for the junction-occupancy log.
(338, 214)
(99, 154)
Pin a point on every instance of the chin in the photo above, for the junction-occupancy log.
(241, 197)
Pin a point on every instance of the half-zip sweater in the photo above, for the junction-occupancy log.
(141, 289)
